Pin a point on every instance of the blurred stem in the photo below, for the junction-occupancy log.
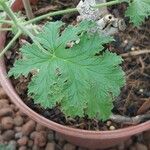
(28, 9)
(6, 21)
(5, 29)
(9, 12)
(20, 27)
(71, 10)
(107, 3)
(10, 43)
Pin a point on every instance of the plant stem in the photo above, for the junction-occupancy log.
(61, 12)
(21, 27)
(130, 120)
(5, 29)
(9, 13)
(107, 4)
(10, 43)
(71, 10)
(135, 53)
(6, 21)
(28, 9)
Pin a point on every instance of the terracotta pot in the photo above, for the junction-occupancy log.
(17, 5)
(83, 138)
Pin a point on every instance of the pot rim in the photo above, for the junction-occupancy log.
(119, 133)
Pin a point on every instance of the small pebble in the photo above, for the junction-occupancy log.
(1, 139)
(121, 146)
(5, 101)
(58, 137)
(132, 148)
(20, 113)
(22, 148)
(35, 147)
(39, 127)
(128, 143)
(112, 128)
(7, 123)
(69, 147)
(61, 140)
(23, 141)
(148, 145)
(125, 41)
(81, 148)
(132, 48)
(5, 112)
(141, 90)
(2, 93)
(40, 139)
(44, 133)
(61, 143)
(50, 146)
(3, 105)
(108, 123)
(28, 127)
(18, 135)
(30, 143)
(18, 129)
(16, 109)
(18, 121)
(140, 146)
(8, 135)
(12, 106)
(50, 135)
(146, 136)
(32, 135)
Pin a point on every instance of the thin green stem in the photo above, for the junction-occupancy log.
(5, 29)
(6, 21)
(20, 26)
(107, 4)
(71, 10)
(10, 43)
(61, 12)
(9, 12)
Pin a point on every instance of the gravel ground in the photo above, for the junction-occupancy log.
(19, 132)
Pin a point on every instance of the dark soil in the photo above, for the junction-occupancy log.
(134, 96)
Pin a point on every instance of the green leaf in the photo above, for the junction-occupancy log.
(75, 78)
(138, 10)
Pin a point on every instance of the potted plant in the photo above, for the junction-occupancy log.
(70, 69)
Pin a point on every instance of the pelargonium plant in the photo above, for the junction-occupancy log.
(82, 79)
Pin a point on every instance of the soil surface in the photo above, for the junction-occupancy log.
(135, 95)
(19, 132)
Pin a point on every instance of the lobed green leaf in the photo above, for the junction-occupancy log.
(75, 78)
(138, 10)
